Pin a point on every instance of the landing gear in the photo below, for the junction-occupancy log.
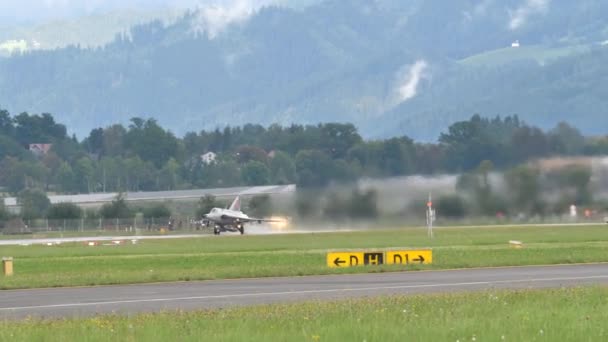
(241, 229)
(217, 230)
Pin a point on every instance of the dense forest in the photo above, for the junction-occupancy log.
(145, 156)
(386, 66)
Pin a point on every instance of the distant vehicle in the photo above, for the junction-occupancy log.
(231, 219)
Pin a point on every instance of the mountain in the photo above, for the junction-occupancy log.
(88, 31)
(392, 67)
(91, 23)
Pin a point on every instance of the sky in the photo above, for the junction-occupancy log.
(37, 11)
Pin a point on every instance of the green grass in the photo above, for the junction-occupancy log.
(574, 314)
(298, 254)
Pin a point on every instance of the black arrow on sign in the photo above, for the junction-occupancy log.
(420, 258)
(338, 262)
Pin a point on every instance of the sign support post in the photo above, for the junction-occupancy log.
(430, 216)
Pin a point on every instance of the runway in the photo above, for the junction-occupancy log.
(130, 299)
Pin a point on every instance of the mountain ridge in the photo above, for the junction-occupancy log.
(387, 66)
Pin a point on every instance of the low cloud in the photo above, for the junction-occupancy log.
(520, 16)
(215, 15)
(478, 10)
(408, 80)
(214, 18)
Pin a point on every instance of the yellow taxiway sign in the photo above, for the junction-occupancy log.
(422, 256)
(391, 257)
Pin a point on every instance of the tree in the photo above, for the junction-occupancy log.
(566, 139)
(65, 178)
(10, 148)
(94, 142)
(282, 168)
(64, 211)
(113, 140)
(118, 208)
(205, 204)
(151, 142)
(336, 208)
(31, 129)
(477, 185)
(260, 206)
(307, 203)
(34, 203)
(159, 210)
(245, 154)
(574, 182)
(18, 175)
(169, 175)
(524, 187)
(83, 174)
(468, 143)
(527, 143)
(4, 214)
(255, 173)
(313, 168)
(6, 124)
(396, 156)
(451, 206)
(336, 139)
(363, 204)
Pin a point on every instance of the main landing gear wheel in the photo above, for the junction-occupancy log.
(241, 229)
(216, 231)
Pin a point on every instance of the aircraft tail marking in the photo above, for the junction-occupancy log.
(236, 204)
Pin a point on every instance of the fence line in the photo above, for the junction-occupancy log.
(118, 225)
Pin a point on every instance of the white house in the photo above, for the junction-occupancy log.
(208, 158)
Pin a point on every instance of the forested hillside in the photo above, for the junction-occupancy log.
(390, 67)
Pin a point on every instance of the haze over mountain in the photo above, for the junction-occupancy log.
(392, 67)
(39, 11)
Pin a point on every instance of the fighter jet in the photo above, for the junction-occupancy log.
(231, 219)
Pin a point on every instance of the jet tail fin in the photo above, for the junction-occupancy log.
(236, 204)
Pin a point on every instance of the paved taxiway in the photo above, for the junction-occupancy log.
(128, 299)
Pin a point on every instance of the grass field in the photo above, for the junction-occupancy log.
(296, 254)
(574, 314)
